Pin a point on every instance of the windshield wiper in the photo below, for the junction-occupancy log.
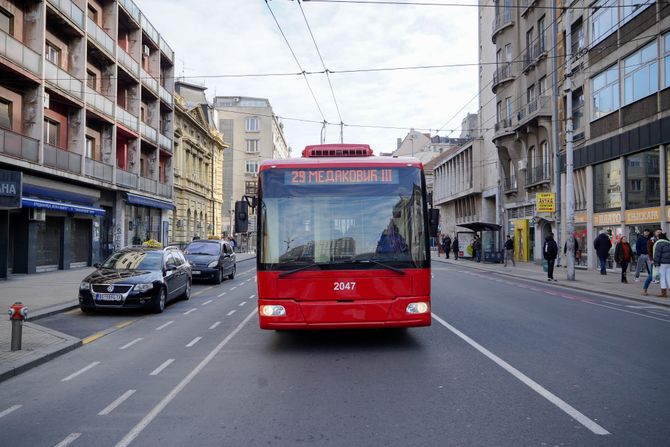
(381, 264)
(304, 267)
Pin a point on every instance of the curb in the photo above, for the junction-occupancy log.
(53, 310)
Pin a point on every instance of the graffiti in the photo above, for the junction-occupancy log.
(118, 236)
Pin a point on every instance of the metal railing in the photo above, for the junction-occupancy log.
(502, 73)
(100, 36)
(165, 95)
(502, 20)
(538, 174)
(17, 52)
(70, 10)
(503, 124)
(149, 80)
(19, 146)
(164, 142)
(62, 79)
(99, 102)
(127, 119)
(99, 170)
(127, 179)
(165, 190)
(148, 185)
(525, 4)
(132, 9)
(510, 184)
(148, 132)
(165, 48)
(537, 106)
(150, 30)
(127, 61)
(62, 159)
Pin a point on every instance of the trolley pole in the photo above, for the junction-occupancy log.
(569, 185)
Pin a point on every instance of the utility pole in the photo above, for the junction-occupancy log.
(555, 139)
(569, 186)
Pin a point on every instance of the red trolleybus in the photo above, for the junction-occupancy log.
(342, 241)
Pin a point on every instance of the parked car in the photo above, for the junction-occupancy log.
(211, 259)
(136, 277)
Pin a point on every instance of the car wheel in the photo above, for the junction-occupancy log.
(159, 304)
(219, 276)
(87, 310)
(187, 292)
(232, 273)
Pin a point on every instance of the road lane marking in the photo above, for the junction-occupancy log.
(233, 288)
(202, 291)
(69, 439)
(10, 410)
(641, 307)
(557, 401)
(206, 302)
(189, 311)
(163, 326)
(215, 325)
(128, 345)
(220, 295)
(194, 341)
(164, 365)
(124, 324)
(81, 371)
(121, 399)
(230, 313)
(146, 420)
(252, 297)
(92, 338)
(242, 303)
(612, 304)
(627, 311)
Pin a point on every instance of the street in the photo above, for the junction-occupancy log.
(505, 362)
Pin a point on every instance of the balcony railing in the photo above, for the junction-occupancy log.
(63, 80)
(538, 174)
(501, 21)
(62, 159)
(503, 124)
(127, 179)
(17, 52)
(149, 80)
(19, 146)
(148, 132)
(70, 10)
(525, 5)
(132, 9)
(127, 61)
(99, 170)
(510, 184)
(165, 95)
(164, 142)
(538, 106)
(148, 185)
(100, 36)
(502, 74)
(165, 48)
(127, 119)
(165, 190)
(99, 102)
(150, 30)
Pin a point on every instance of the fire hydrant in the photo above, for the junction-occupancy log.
(17, 314)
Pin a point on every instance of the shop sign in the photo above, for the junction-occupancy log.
(546, 202)
(644, 215)
(605, 219)
(10, 189)
(580, 217)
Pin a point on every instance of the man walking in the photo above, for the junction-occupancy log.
(454, 247)
(446, 243)
(662, 261)
(550, 252)
(477, 247)
(509, 251)
(602, 244)
(642, 254)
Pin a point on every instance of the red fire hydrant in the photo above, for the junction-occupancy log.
(17, 314)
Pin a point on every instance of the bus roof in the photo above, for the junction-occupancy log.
(340, 162)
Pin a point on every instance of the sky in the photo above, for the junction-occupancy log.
(222, 37)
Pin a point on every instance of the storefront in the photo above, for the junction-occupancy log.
(611, 224)
(145, 219)
(581, 238)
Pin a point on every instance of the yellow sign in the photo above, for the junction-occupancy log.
(607, 219)
(546, 202)
(644, 215)
(580, 217)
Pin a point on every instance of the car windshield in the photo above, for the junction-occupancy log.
(202, 248)
(134, 260)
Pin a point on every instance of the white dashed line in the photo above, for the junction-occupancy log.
(128, 345)
(206, 302)
(627, 311)
(221, 294)
(202, 291)
(81, 371)
(158, 370)
(109, 408)
(252, 297)
(242, 303)
(163, 326)
(230, 313)
(190, 311)
(68, 440)
(215, 325)
(10, 410)
(233, 288)
(194, 341)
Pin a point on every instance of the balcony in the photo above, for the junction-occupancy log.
(502, 74)
(165, 190)
(101, 37)
(99, 102)
(148, 185)
(125, 178)
(164, 143)
(529, 58)
(503, 127)
(501, 22)
(526, 5)
(537, 175)
(99, 170)
(127, 119)
(148, 132)
(510, 184)
(20, 54)
(132, 9)
(149, 29)
(63, 80)
(19, 146)
(165, 48)
(149, 80)
(165, 95)
(70, 10)
(62, 159)
(540, 106)
(128, 62)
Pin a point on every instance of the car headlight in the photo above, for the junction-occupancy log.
(213, 264)
(85, 285)
(143, 287)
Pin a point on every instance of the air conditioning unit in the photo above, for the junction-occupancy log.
(521, 164)
(37, 214)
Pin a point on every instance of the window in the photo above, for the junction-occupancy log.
(508, 53)
(631, 8)
(605, 92)
(5, 114)
(530, 38)
(532, 161)
(512, 174)
(90, 147)
(6, 22)
(252, 167)
(607, 188)
(250, 188)
(508, 107)
(499, 57)
(577, 108)
(92, 14)
(577, 37)
(640, 73)
(251, 124)
(91, 79)
(666, 48)
(542, 86)
(643, 179)
(603, 19)
(541, 35)
(252, 146)
(51, 132)
(530, 94)
(52, 53)
(499, 111)
(546, 160)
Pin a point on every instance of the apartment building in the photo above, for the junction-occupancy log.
(198, 167)
(86, 115)
(253, 133)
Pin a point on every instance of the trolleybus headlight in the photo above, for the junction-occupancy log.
(417, 308)
(273, 311)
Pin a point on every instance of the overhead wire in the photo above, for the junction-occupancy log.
(467, 5)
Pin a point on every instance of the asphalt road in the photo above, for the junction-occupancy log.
(506, 362)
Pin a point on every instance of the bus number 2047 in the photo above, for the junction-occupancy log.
(344, 285)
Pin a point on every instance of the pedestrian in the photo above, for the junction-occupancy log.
(454, 247)
(575, 249)
(662, 261)
(623, 254)
(650, 252)
(602, 244)
(509, 251)
(550, 252)
(477, 247)
(642, 254)
(446, 243)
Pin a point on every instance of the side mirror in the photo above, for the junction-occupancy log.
(97, 265)
(433, 221)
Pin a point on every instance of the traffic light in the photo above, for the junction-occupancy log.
(241, 216)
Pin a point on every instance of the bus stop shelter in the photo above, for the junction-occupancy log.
(490, 235)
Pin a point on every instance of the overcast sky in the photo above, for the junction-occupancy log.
(216, 37)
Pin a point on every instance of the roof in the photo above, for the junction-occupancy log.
(341, 162)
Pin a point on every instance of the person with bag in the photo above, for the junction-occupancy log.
(652, 270)
(662, 262)
(623, 254)
(550, 253)
(509, 251)
(602, 244)
(642, 254)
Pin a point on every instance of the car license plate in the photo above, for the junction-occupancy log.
(109, 297)
(196, 272)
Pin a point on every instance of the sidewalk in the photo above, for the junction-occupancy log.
(44, 294)
(586, 280)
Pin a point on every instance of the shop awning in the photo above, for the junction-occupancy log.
(481, 226)
(136, 199)
(29, 202)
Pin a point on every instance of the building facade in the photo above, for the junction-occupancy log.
(198, 167)
(86, 115)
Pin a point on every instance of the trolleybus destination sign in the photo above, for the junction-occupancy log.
(351, 176)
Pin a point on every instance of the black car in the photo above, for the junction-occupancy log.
(211, 259)
(137, 277)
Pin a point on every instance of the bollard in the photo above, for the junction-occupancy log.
(17, 314)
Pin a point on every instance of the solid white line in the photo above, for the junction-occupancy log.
(215, 325)
(121, 399)
(613, 304)
(206, 302)
(162, 326)
(68, 440)
(252, 297)
(81, 371)
(233, 288)
(127, 345)
(189, 311)
(158, 370)
(641, 307)
(194, 341)
(230, 313)
(560, 403)
(220, 295)
(627, 311)
(146, 420)
(242, 303)
(10, 410)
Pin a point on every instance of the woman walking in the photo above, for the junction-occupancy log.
(662, 262)
(623, 255)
